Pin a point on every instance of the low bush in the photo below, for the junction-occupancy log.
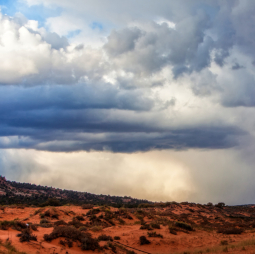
(146, 226)
(112, 246)
(59, 223)
(17, 225)
(155, 225)
(144, 240)
(183, 225)
(83, 228)
(231, 231)
(116, 238)
(26, 236)
(42, 221)
(96, 228)
(71, 233)
(93, 211)
(154, 234)
(76, 223)
(79, 217)
(104, 237)
(87, 206)
(50, 213)
(172, 230)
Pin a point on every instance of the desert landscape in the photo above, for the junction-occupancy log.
(127, 126)
(158, 228)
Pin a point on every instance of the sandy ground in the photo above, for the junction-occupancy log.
(204, 239)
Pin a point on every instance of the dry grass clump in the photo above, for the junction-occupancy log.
(26, 236)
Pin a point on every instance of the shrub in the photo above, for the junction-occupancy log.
(26, 236)
(96, 228)
(87, 206)
(122, 222)
(172, 230)
(88, 243)
(46, 225)
(17, 225)
(83, 228)
(104, 237)
(146, 226)
(183, 225)
(116, 238)
(144, 240)
(231, 231)
(67, 232)
(60, 222)
(224, 242)
(154, 234)
(155, 225)
(62, 242)
(93, 211)
(42, 221)
(220, 205)
(110, 245)
(51, 202)
(79, 217)
(38, 211)
(33, 227)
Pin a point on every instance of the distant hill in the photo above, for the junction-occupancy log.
(12, 192)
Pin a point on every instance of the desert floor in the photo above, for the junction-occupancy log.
(179, 228)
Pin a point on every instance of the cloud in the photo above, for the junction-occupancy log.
(192, 175)
(176, 80)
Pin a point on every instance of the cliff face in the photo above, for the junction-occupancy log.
(12, 192)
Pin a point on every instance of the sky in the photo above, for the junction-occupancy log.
(149, 99)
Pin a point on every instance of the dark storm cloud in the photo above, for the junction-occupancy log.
(63, 118)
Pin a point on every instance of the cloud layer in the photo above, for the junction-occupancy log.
(108, 77)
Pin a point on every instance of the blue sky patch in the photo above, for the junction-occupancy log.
(35, 12)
